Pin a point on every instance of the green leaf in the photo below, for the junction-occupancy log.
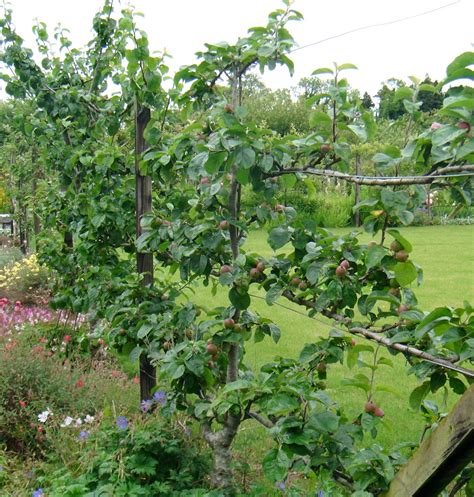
(273, 294)
(446, 134)
(401, 240)
(322, 70)
(418, 394)
(319, 119)
(359, 131)
(374, 256)
(461, 61)
(214, 161)
(279, 237)
(239, 299)
(325, 421)
(441, 314)
(144, 330)
(245, 157)
(344, 67)
(405, 273)
(135, 354)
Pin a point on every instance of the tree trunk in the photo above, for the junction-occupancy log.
(357, 192)
(144, 260)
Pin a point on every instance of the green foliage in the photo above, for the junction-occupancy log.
(150, 457)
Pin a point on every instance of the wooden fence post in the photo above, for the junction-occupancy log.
(440, 457)
(143, 206)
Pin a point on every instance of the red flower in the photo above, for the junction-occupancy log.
(67, 338)
(80, 384)
(40, 428)
(115, 374)
(136, 380)
(43, 340)
(22, 403)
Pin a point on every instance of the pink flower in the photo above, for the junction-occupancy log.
(67, 338)
(435, 126)
(79, 384)
(22, 403)
(136, 380)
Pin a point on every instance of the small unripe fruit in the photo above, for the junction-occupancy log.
(353, 342)
(229, 323)
(379, 412)
(224, 225)
(279, 208)
(396, 246)
(166, 345)
(402, 308)
(205, 181)
(464, 125)
(295, 281)
(226, 269)
(122, 332)
(345, 264)
(341, 271)
(260, 266)
(211, 348)
(228, 108)
(394, 291)
(325, 148)
(101, 341)
(303, 286)
(238, 328)
(372, 244)
(255, 273)
(401, 256)
(321, 367)
(370, 406)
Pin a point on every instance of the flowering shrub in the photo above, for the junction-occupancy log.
(24, 280)
(132, 456)
(14, 315)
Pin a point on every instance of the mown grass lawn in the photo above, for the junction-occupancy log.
(446, 254)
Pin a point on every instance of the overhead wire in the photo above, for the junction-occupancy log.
(375, 25)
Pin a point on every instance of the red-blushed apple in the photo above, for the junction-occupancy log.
(255, 273)
(396, 246)
(224, 225)
(260, 266)
(345, 264)
(341, 271)
(325, 148)
(205, 181)
(370, 406)
(225, 268)
(279, 208)
(295, 281)
(401, 256)
(402, 308)
(229, 323)
(379, 412)
(211, 348)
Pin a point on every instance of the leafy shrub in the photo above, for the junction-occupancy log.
(143, 457)
(45, 380)
(24, 280)
(9, 255)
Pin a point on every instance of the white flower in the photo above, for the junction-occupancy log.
(89, 419)
(43, 417)
(78, 422)
(66, 422)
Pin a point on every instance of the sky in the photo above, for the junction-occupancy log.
(419, 46)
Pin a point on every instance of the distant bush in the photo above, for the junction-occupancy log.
(328, 208)
(25, 280)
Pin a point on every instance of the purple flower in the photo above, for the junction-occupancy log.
(160, 397)
(122, 422)
(280, 485)
(38, 492)
(83, 435)
(320, 494)
(146, 405)
(1, 468)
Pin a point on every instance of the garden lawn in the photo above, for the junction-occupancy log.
(446, 253)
